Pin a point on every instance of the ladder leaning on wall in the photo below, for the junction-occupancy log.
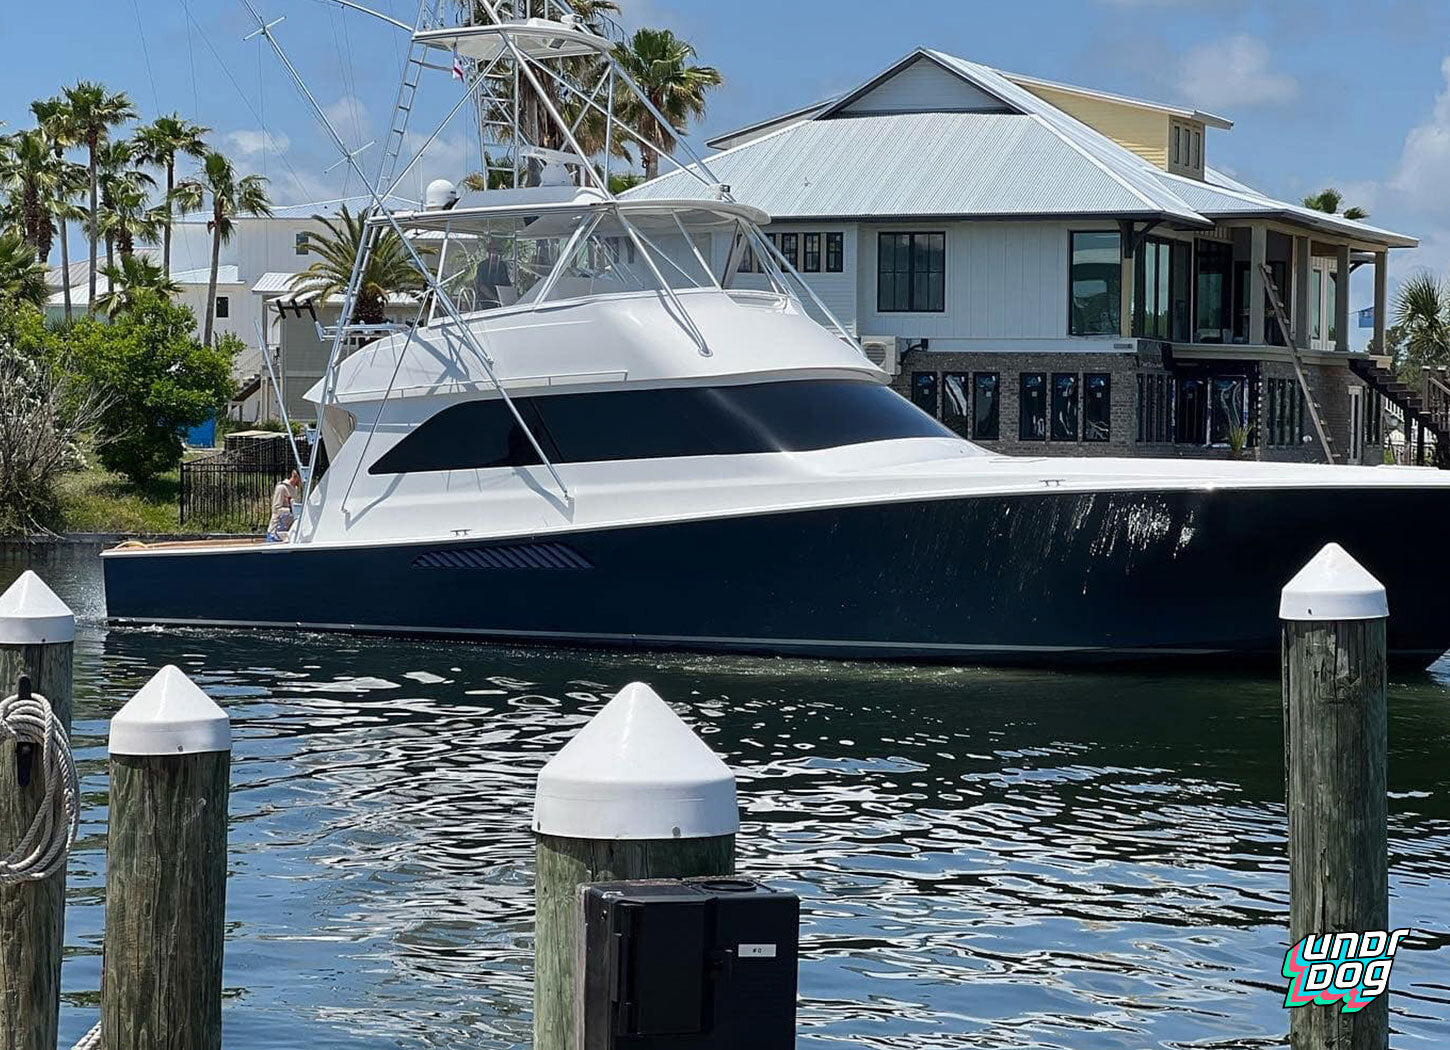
(1277, 305)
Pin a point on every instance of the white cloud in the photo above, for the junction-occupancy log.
(248, 142)
(1234, 72)
(1424, 168)
(350, 116)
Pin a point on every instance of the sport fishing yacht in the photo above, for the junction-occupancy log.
(591, 434)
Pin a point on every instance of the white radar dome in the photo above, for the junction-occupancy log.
(440, 195)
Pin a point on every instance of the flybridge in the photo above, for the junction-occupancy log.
(542, 89)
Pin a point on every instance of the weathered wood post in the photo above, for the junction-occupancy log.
(37, 634)
(1334, 614)
(166, 869)
(635, 795)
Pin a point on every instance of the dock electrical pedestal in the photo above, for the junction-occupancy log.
(693, 964)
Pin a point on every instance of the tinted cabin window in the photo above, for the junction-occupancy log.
(653, 424)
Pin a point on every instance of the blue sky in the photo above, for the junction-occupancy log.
(1329, 92)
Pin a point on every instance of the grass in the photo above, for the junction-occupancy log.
(96, 500)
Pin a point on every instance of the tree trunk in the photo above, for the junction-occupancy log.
(94, 222)
(166, 232)
(65, 268)
(216, 254)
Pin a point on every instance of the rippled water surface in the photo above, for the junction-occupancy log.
(985, 858)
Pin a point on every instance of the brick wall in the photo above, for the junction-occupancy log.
(1330, 384)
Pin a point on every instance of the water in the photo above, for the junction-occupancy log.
(986, 858)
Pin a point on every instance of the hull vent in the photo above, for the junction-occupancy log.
(511, 556)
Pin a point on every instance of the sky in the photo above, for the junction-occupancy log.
(1322, 92)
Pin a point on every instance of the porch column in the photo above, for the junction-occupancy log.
(1125, 306)
(1303, 264)
(1258, 252)
(1381, 299)
(1341, 298)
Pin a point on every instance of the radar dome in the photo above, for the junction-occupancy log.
(440, 195)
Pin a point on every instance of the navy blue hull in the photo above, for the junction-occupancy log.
(1025, 578)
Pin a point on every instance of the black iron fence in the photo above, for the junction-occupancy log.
(221, 493)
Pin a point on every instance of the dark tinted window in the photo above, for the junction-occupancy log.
(986, 406)
(910, 275)
(811, 253)
(789, 244)
(1032, 407)
(652, 424)
(835, 252)
(1064, 406)
(954, 402)
(923, 391)
(1097, 409)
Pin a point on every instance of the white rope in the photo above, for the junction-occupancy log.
(43, 849)
(91, 1040)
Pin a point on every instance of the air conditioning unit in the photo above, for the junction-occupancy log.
(884, 352)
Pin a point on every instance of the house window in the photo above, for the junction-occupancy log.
(1214, 321)
(1095, 284)
(1197, 161)
(986, 406)
(1331, 308)
(1064, 406)
(1097, 406)
(1161, 290)
(955, 407)
(1374, 418)
(835, 252)
(1190, 411)
(747, 257)
(223, 306)
(1177, 147)
(789, 245)
(1226, 412)
(773, 238)
(811, 253)
(1316, 303)
(1032, 407)
(1155, 408)
(911, 272)
(301, 244)
(1284, 412)
(923, 391)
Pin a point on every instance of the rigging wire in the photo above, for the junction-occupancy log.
(146, 54)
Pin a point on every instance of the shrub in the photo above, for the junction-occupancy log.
(44, 407)
(160, 380)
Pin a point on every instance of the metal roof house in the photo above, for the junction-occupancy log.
(1051, 268)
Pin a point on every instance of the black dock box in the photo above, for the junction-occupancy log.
(692, 964)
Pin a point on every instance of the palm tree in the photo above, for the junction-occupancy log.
(1328, 201)
(56, 121)
(659, 62)
(389, 270)
(126, 283)
(1421, 331)
(22, 275)
(121, 182)
(29, 174)
(128, 214)
(93, 112)
(160, 143)
(231, 197)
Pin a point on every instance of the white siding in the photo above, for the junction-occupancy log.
(1006, 288)
(922, 87)
(836, 290)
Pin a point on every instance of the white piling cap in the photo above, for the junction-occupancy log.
(170, 716)
(31, 614)
(636, 771)
(1333, 586)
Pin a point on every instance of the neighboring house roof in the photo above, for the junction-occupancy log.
(307, 210)
(227, 275)
(998, 151)
(273, 282)
(752, 131)
(1210, 119)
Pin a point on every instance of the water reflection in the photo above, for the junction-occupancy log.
(987, 858)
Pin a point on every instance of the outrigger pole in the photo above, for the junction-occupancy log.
(264, 29)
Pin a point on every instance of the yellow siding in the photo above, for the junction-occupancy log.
(1141, 130)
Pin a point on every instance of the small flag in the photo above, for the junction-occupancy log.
(457, 65)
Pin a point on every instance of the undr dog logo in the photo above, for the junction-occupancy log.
(1352, 968)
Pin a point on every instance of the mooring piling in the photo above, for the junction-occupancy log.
(634, 795)
(166, 857)
(1334, 615)
(37, 634)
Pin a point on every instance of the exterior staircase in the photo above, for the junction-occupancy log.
(1316, 413)
(1429, 406)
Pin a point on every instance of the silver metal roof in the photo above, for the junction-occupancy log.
(1035, 162)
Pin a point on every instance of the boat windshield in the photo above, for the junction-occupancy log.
(507, 260)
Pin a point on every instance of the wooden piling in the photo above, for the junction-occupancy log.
(1334, 615)
(37, 635)
(635, 795)
(166, 856)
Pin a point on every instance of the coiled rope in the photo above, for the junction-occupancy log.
(26, 717)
